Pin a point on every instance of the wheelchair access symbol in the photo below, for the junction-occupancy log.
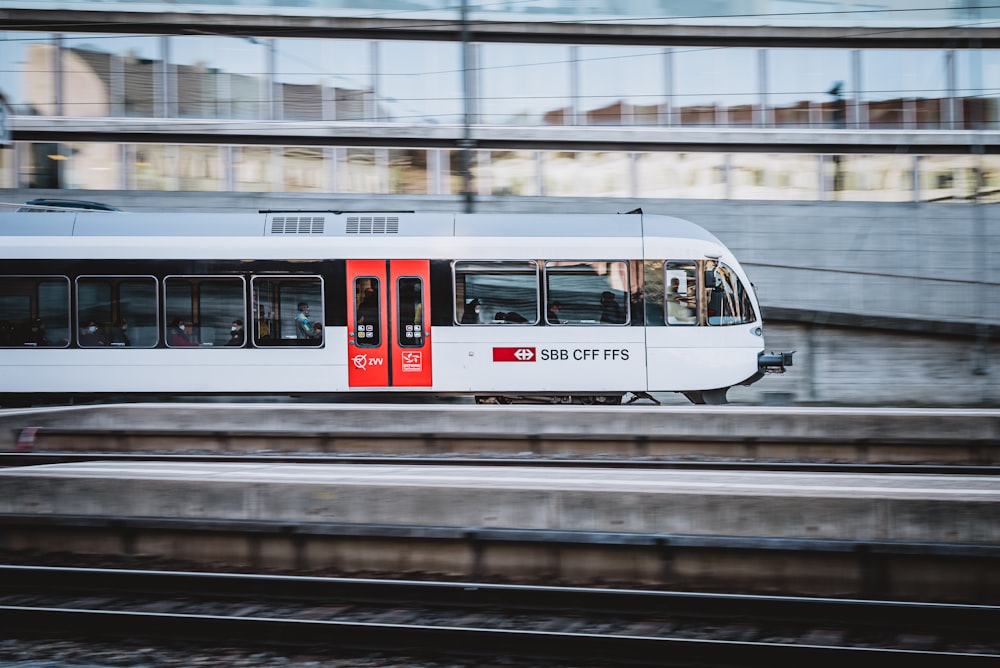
(513, 354)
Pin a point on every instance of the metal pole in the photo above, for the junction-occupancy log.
(980, 257)
(466, 144)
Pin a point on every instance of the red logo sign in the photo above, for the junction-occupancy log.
(413, 361)
(513, 354)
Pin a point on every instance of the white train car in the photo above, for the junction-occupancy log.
(504, 307)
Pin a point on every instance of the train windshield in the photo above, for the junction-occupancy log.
(703, 292)
(728, 300)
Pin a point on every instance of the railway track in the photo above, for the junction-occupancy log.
(799, 442)
(11, 459)
(559, 624)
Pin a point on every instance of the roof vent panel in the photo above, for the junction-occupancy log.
(372, 225)
(298, 225)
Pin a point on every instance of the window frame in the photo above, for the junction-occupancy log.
(252, 304)
(744, 297)
(626, 292)
(166, 322)
(124, 277)
(34, 303)
(418, 335)
(373, 340)
(465, 299)
(698, 266)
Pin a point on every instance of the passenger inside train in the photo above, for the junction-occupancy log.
(470, 315)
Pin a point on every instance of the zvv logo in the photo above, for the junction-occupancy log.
(362, 361)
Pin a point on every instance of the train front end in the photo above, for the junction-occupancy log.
(704, 332)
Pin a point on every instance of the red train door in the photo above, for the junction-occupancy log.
(388, 320)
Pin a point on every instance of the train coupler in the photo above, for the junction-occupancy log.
(774, 362)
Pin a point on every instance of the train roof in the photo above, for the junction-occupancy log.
(312, 224)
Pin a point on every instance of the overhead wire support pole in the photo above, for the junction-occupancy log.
(466, 144)
(980, 260)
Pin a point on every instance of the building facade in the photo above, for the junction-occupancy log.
(751, 100)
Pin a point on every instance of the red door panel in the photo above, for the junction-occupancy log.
(411, 295)
(367, 345)
(388, 332)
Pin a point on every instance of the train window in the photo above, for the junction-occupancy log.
(587, 292)
(34, 311)
(410, 315)
(681, 293)
(367, 312)
(287, 310)
(200, 310)
(728, 300)
(637, 287)
(116, 311)
(498, 293)
(652, 294)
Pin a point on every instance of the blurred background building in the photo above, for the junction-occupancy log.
(847, 151)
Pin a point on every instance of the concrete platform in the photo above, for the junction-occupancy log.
(625, 423)
(911, 508)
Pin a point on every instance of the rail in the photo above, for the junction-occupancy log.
(610, 626)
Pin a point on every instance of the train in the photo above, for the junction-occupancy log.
(503, 307)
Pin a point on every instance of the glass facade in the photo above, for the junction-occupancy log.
(681, 175)
(91, 166)
(525, 84)
(253, 169)
(622, 85)
(328, 80)
(413, 83)
(27, 73)
(217, 77)
(809, 88)
(715, 87)
(406, 171)
(304, 169)
(419, 82)
(506, 172)
(103, 76)
(405, 82)
(904, 89)
(868, 178)
(325, 85)
(977, 89)
(774, 176)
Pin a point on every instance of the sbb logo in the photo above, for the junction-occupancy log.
(554, 354)
(514, 354)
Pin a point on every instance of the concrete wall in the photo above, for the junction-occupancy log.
(886, 303)
(852, 366)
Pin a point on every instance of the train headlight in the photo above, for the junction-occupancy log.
(757, 331)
